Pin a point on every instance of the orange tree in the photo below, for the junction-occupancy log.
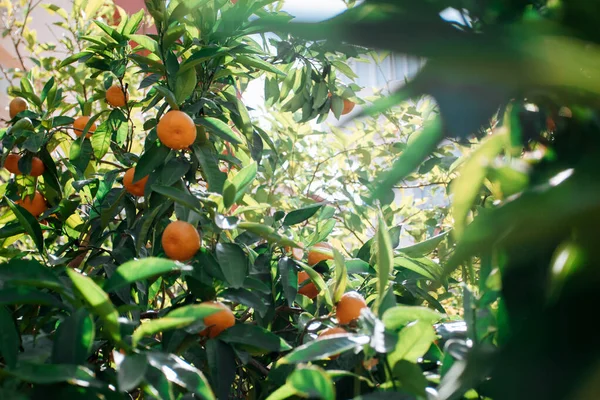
(127, 275)
(520, 75)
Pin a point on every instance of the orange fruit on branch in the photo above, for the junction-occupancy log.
(37, 167)
(309, 290)
(219, 321)
(79, 125)
(12, 163)
(297, 253)
(116, 96)
(176, 130)
(319, 252)
(17, 105)
(181, 241)
(349, 306)
(348, 106)
(36, 206)
(135, 188)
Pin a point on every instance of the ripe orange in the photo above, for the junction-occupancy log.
(135, 188)
(349, 306)
(12, 163)
(348, 106)
(297, 253)
(219, 321)
(332, 331)
(319, 252)
(17, 105)
(309, 290)
(37, 167)
(176, 130)
(79, 125)
(116, 97)
(181, 241)
(35, 206)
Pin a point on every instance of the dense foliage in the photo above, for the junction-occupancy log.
(330, 276)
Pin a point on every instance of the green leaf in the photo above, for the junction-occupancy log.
(131, 371)
(411, 378)
(81, 153)
(9, 338)
(385, 260)
(46, 90)
(221, 361)
(423, 266)
(312, 382)
(182, 374)
(146, 42)
(323, 232)
(179, 196)
(137, 270)
(337, 105)
(466, 187)
(325, 347)
(176, 319)
(289, 279)
(133, 22)
(234, 189)
(301, 214)
(30, 273)
(99, 301)
(150, 160)
(411, 157)
(254, 336)
(159, 325)
(255, 62)
(219, 128)
(101, 140)
(73, 339)
(399, 316)
(29, 223)
(174, 170)
(344, 69)
(425, 247)
(209, 162)
(200, 56)
(71, 59)
(267, 232)
(341, 276)
(233, 263)
(27, 295)
(413, 342)
(247, 298)
(185, 84)
(45, 374)
(359, 267)
(241, 119)
(168, 95)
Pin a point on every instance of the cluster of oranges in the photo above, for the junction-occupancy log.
(35, 204)
(181, 240)
(348, 309)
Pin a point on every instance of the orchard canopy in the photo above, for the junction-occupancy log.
(202, 200)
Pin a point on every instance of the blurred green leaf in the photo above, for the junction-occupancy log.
(137, 270)
(99, 301)
(9, 338)
(74, 339)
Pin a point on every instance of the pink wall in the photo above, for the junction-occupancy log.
(133, 6)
